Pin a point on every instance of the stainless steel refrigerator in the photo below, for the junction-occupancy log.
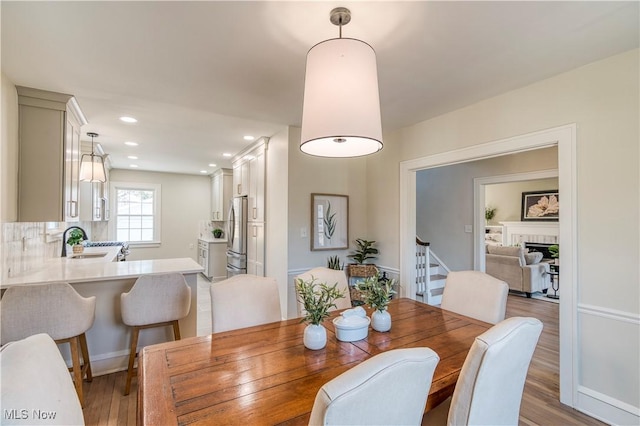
(237, 237)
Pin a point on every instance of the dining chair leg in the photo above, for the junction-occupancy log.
(86, 367)
(176, 330)
(77, 370)
(132, 357)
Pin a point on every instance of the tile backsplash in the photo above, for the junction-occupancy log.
(25, 246)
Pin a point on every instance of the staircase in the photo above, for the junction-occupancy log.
(431, 275)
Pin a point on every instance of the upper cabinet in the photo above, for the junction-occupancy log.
(221, 194)
(49, 156)
(249, 178)
(240, 177)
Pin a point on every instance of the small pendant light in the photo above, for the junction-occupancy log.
(92, 165)
(341, 109)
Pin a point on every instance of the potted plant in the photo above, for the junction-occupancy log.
(75, 240)
(362, 253)
(377, 293)
(316, 299)
(217, 233)
(489, 213)
(333, 262)
(554, 251)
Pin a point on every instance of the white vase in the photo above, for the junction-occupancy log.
(315, 337)
(381, 321)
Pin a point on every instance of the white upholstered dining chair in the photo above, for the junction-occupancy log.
(57, 310)
(390, 388)
(158, 300)
(330, 277)
(35, 377)
(476, 295)
(490, 385)
(244, 301)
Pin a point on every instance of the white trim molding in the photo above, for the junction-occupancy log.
(564, 137)
(607, 409)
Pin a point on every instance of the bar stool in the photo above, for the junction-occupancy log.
(154, 301)
(57, 310)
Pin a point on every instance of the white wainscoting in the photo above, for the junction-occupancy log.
(516, 233)
(616, 399)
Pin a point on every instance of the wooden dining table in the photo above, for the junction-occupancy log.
(265, 375)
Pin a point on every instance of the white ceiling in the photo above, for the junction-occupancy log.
(200, 75)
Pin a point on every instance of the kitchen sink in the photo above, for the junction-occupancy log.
(87, 255)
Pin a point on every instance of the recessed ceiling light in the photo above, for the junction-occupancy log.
(128, 119)
(132, 157)
(212, 165)
(131, 143)
(133, 165)
(226, 154)
(249, 138)
(203, 171)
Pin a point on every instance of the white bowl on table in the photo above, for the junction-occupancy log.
(352, 325)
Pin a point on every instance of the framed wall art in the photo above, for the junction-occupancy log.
(540, 206)
(329, 222)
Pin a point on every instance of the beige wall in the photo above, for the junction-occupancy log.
(507, 197)
(383, 201)
(276, 248)
(186, 200)
(602, 98)
(8, 151)
(309, 175)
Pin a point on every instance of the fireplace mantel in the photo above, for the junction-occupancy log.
(516, 233)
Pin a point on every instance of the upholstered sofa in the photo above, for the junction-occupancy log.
(523, 271)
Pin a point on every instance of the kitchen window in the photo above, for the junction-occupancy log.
(137, 213)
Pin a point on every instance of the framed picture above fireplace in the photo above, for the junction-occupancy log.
(540, 206)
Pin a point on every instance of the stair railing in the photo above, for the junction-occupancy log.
(422, 268)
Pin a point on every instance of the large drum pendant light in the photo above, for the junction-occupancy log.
(341, 110)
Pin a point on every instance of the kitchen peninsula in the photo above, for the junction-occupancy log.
(94, 273)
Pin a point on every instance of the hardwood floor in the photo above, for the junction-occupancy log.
(106, 405)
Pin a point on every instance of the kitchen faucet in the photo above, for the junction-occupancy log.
(64, 239)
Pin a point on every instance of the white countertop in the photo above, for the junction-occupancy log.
(99, 268)
(212, 240)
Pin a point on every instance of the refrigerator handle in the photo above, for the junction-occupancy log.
(232, 226)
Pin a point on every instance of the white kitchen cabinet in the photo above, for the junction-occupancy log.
(212, 256)
(255, 248)
(221, 194)
(49, 156)
(256, 185)
(249, 170)
(94, 196)
(241, 177)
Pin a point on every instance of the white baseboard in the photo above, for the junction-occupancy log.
(605, 408)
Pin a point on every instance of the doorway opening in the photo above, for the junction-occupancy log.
(564, 138)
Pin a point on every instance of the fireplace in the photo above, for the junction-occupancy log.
(541, 247)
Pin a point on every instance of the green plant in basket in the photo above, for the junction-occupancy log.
(317, 298)
(364, 251)
(375, 292)
(75, 237)
(554, 251)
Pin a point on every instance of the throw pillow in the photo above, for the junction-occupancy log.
(531, 258)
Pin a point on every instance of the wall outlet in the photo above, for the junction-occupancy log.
(191, 246)
(468, 229)
(303, 232)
